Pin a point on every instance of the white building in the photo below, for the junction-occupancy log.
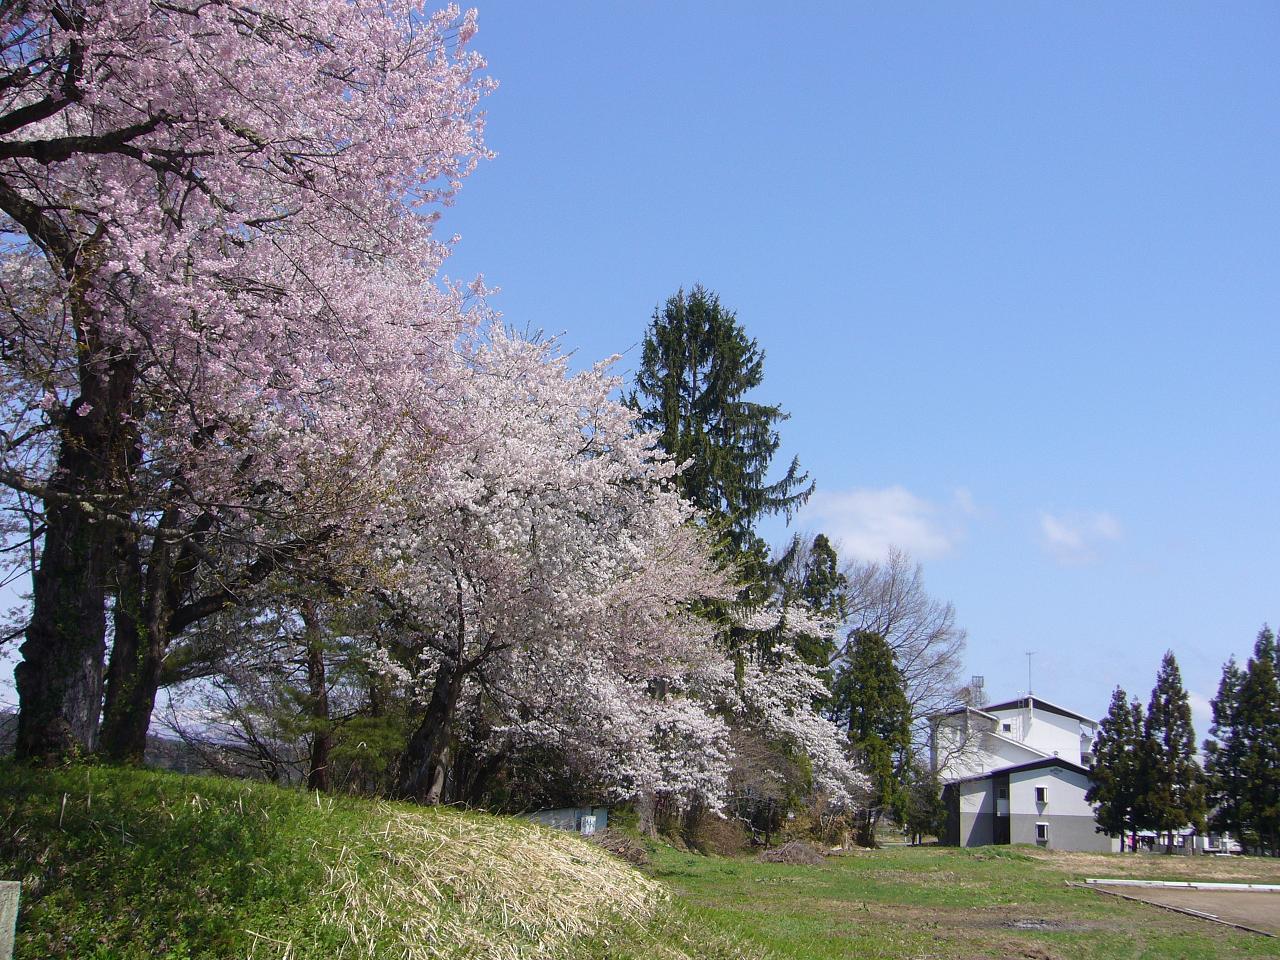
(1017, 772)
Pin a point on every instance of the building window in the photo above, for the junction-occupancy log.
(1042, 794)
(1006, 728)
(1042, 833)
(1003, 793)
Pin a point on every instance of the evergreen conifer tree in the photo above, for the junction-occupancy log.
(925, 811)
(1116, 767)
(871, 701)
(1224, 753)
(1174, 793)
(696, 368)
(1259, 724)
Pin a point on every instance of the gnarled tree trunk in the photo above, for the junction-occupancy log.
(425, 762)
(141, 621)
(60, 678)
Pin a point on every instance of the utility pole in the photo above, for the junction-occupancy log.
(1030, 654)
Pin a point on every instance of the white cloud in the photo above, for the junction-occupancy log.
(1201, 715)
(964, 502)
(867, 522)
(1075, 538)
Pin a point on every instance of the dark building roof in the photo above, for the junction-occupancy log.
(1038, 704)
(1029, 765)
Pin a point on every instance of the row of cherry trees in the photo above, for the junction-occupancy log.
(248, 424)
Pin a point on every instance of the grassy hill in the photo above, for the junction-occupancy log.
(125, 864)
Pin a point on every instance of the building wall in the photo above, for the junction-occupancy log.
(972, 805)
(976, 802)
(1065, 833)
(1069, 815)
(958, 755)
(1050, 733)
(1065, 792)
(568, 818)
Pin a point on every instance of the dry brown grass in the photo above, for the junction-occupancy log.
(1158, 866)
(431, 886)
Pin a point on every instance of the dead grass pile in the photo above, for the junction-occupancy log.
(622, 845)
(721, 836)
(794, 852)
(440, 884)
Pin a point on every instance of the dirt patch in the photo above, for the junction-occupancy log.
(1037, 923)
(1260, 911)
(796, 852)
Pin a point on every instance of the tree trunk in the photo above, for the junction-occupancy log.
(866, 836)
(142, 611)
(647, 815)
(60, 677)
(124, 739)
(425, 761)
(318, 697)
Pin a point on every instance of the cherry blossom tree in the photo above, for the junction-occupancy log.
(218, 295)
(544, 557)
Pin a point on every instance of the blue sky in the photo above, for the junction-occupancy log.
(1013, 267)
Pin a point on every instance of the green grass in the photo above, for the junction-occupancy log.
(949, 904)
(128, 864)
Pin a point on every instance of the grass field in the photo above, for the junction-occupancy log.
(950, 904)
(131, 864)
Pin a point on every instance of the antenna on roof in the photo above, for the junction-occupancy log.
(1030, 654)
(976, 685)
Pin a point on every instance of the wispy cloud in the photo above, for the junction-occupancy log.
(1075, 538)
(867, 522)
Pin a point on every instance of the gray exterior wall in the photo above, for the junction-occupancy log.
(976, 806)
(971, 809)
(568, 818)
(975, 829)
(1065, 832)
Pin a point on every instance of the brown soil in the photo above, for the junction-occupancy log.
(1261, 911)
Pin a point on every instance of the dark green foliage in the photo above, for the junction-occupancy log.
(1258, 725)
(925, 813)
(1224, 753)
(1174, 794)
(871, 703)
(1117, 767)
(696, 369)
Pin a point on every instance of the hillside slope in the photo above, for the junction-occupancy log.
(127, 864)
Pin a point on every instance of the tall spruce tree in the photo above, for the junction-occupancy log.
(1259, 724)
(871, 701)
(1174, 794)
(696, 369)
(1116, 768)
(1224, 753)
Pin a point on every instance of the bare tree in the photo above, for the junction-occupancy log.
(889, 598)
